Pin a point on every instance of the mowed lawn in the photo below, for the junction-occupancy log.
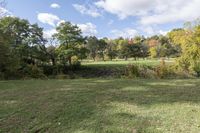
(100, 106)
(148, 62)
(123, 63)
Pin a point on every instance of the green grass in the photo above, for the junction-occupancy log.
(149, 62)
(100, 106)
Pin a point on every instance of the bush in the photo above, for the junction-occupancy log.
(32, 71)
(161, 70)
(50, 70)
(196, 69)
(147, 72)
(140, 71)
(165, 71)
(132, 71)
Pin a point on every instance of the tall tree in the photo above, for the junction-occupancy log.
(22, 40)
(8, 60)
(51, 50)
(23, 36)
(101, 48)
(111, 49)
(124, 48)
(92, 46)
(70, 39)
(189, 41)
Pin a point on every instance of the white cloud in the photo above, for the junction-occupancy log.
(55, 5)
(48, 18)
(152, 30)
(125, 8)
(126, 33)
(91, 11)
(148, 30)
(163, 32)
(153, 11)
(178, 10)
(49, 33)
(88, 29)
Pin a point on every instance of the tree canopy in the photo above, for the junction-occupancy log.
(23, 47)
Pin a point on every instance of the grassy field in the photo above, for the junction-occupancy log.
(149, 62)
(115, 68)
(100, 106)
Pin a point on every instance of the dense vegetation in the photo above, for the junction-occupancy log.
(26, 53)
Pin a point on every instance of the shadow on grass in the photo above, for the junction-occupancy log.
(94, 106)
(159, 93)
(91, 110)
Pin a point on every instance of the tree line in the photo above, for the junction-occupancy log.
(25, 51)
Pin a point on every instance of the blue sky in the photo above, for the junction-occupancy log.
(108, 18)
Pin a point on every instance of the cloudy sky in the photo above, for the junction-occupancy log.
(111, 18)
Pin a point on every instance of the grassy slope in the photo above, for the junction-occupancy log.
(121, 63)
(112, 69)
(100, 106)
(150, 62)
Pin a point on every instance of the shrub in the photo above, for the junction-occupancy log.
(141, 71)
(147, 72)
(50, 70)
(132, 71)
(169, 71)
(161, 70)
(196, 68)
(186, 67)
(32, 71)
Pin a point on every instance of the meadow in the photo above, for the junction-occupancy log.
(117, 68)
(122, 62)
(123, 67)
(100, 106)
